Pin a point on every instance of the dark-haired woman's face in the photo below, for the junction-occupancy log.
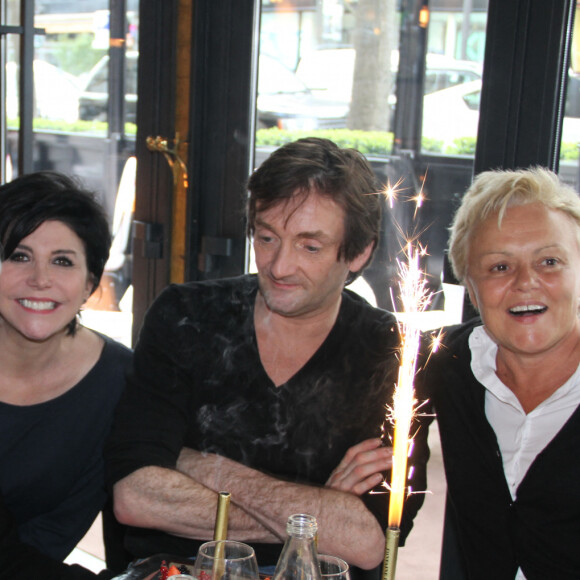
(44, 283)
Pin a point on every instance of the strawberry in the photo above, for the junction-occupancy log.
(163, 571)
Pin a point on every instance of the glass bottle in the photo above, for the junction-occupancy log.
(299, 559)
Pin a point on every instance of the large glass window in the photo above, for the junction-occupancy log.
(569, 166)
(399, 81)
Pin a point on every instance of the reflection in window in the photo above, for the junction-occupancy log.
(336, 64)
(94, 98)
(571, 124)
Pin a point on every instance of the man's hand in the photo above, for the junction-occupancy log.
(362, 467)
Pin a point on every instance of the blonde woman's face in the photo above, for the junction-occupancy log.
(524, 277)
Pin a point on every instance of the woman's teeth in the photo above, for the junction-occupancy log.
(38, 305)
(528, 309)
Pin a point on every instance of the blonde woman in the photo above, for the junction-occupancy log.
(506, 386)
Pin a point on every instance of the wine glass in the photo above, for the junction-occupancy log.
(225, 560)
(333, 568)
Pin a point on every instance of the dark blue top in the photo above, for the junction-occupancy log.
(51, 460)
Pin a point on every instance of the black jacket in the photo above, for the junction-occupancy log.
(540, 531)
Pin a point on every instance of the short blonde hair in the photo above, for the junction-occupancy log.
(493, 192)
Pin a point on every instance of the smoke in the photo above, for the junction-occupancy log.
(302, 428)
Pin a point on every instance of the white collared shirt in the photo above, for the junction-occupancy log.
(521, 437)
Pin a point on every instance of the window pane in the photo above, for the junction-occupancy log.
(337, 68)
(455, 55)
(12, 12)
(569, 167)
(78, 44)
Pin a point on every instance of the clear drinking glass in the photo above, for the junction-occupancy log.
(225, 560)
(333, 568)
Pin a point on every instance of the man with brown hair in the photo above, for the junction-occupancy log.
(270, 386)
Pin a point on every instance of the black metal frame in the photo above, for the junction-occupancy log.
(156, 116)
(222, 134)
(524, 83)
(116, 100)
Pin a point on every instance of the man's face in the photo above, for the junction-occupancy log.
(296, 246)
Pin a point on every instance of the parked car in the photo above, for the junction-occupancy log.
(329, 72)
(56, 92)
(284, 101)
(94, 99)
(453, 113)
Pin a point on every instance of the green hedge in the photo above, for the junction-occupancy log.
(569, 151)
(381, 143)
(367, 142)
(92, 127)
(371, 143)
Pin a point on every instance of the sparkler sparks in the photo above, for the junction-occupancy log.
(420, 197)
(391, 192)
(415, 297)
(436, 342)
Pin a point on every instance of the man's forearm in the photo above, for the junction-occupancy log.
(346, 527)
(166, 500)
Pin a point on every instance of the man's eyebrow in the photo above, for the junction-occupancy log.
(318, 234)
(313, 235)
(261, 222)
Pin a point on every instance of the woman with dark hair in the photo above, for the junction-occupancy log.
(59, 381)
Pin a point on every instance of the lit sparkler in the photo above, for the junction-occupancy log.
(415, 297)
(420, 198)
(392, 191)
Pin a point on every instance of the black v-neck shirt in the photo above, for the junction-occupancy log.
(197, 381)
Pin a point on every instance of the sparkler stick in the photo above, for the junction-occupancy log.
(391, 550)
(220, 532)
(415, 298)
